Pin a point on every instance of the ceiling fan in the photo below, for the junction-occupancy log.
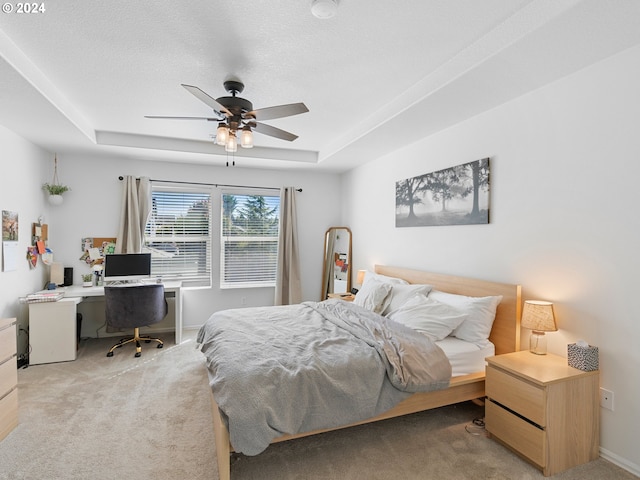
(236, 114)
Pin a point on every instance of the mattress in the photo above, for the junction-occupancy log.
(466, 357)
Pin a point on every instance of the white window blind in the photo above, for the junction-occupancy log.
(249, 240)
(178, 234)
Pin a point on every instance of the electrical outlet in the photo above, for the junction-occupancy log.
(606, 399)
(243, 301)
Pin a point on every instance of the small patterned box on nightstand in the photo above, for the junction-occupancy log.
(583, 358)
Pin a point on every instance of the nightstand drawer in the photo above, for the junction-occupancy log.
(7, 342)
(516, 432)
(518, 395)
(8, 376)
(8, 413)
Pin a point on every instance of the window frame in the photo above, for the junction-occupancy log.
(188, 279)
(225, 284)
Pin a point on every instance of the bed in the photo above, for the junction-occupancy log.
(462, 386)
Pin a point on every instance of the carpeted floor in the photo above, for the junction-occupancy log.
(149, 418)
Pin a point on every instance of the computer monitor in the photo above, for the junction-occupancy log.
(127, 267)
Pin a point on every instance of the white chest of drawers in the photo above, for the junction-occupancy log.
(8, 377)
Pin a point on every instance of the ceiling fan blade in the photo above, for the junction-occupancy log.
(278, 111)
(184, 118)
(209, 100)
(273, 131)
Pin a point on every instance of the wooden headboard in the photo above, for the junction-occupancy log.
(505, 333)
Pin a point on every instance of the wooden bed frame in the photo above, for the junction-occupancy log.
(505, 335)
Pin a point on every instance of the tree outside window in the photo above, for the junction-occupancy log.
(249, 240)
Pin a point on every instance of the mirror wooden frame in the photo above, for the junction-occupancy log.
(328, 258)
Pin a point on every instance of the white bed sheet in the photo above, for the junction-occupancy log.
(466, 357)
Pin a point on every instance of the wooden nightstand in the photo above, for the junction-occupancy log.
(347, 297)
(543, 409)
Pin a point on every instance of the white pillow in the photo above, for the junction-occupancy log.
(373, 295)
(481, 311)
(400, 293)
(425, 315)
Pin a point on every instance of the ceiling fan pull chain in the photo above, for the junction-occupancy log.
(233, 159)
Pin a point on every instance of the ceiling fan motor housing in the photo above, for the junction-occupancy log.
(235, 105)
(233, 86)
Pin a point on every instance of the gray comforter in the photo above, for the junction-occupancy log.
(292, 369)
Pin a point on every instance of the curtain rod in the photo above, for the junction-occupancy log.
(213, 184)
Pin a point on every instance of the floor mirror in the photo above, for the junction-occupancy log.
(336, 272)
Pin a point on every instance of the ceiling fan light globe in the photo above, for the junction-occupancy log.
(324, 9)
(232, 144)
(222, 134)
(246, 138)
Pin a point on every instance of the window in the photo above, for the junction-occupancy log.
(178, 234)
(249, 240)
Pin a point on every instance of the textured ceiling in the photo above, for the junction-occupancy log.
(81, 76)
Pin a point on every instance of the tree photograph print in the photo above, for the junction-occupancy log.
(454, 196)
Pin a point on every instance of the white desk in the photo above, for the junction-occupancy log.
(52, 325)
(171, 289)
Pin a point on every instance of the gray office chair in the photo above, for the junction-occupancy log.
(134, 307)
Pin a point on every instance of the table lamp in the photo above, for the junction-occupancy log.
(539, 317)
(359, 280)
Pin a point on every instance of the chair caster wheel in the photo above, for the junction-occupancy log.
(110, 354)
(137, 354)
(159, 345)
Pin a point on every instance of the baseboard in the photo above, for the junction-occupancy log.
(619, 461)
(191, 328)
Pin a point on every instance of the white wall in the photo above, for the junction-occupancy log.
(92, 209)
(24, 170)
(564, 218)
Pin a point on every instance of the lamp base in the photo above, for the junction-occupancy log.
(538, 343)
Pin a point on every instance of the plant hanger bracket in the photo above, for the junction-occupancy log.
(55, 180)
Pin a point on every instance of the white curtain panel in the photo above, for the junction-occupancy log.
(288, 290)
(136, 207)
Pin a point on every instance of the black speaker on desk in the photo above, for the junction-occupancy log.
(68, 276)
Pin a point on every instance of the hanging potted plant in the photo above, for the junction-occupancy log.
(55, 192)
(55, 189)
